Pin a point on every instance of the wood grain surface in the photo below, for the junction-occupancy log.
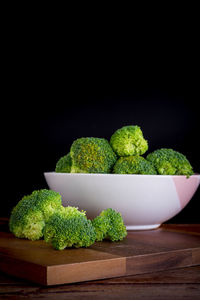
(173, 284)
(169, 247)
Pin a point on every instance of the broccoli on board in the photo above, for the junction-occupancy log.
(64, 164)
(128, 140)
(92, 155)
(28, 217)
(134, 165)
(170, 162)
(69, 227)
(109, 225)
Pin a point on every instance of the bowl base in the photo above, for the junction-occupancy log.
(142, 227)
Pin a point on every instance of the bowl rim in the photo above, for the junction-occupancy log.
(116, 175)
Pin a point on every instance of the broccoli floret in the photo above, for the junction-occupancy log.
(92, 155)
(128, 140)
(69, 227)
(109, 225)
(133, 165)
(170, 162)
(28, 217)
(64, 164)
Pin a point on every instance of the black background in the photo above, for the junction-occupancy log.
(57, 88)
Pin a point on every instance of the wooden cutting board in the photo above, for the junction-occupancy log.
(169, 247)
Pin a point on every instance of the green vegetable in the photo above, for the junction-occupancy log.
(69, 228)
(133, 165)
(28, 217)
(129, 140)
(170, 162)
(92, 155)
(109, 224)
(41, 214)
(64, 164)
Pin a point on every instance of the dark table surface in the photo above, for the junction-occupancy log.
(183, 283)
(172, 284)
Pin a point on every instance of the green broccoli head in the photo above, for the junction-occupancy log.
(129, 140)
(109, 224)
(134, 165)
(170, 162)
(69, 227)
(28, 217)
(92, 155)
(64, 164)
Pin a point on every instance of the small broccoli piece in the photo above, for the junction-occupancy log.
(28, 217)
(69, 227)
(170, 162)
(128, 140)
(134, 165)
(109, 225)
(92, 155)
(64, 164)
(101, 226)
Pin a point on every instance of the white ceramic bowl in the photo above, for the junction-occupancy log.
(145, 201)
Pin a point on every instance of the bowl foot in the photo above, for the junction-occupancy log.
(142, 227)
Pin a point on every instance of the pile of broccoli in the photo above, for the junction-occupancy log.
(41, 215)
(122, 155)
